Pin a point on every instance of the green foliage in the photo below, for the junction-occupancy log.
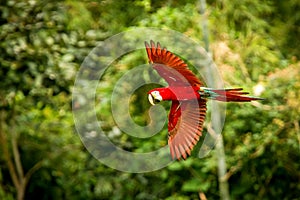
(43, 43)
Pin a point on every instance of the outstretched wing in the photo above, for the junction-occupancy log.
(170, 67)
(185, 126)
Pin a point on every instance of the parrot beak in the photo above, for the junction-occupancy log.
(154, 98)
(151, 100)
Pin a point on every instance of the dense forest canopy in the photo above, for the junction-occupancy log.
(255, 44)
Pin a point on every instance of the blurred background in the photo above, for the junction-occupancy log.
(254, 43)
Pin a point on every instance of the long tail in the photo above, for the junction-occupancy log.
(226, 95)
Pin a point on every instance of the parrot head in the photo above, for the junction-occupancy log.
(159, 94)
(154, 97)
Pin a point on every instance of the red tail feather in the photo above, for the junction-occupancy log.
(235, 95)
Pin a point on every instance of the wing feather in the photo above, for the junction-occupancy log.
(170, 67)
(185, 126)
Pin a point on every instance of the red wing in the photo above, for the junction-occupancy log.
(185, 126)
(170, 67)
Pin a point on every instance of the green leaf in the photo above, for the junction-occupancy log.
(195, 185)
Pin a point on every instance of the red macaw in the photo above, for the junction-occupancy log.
(188, 96)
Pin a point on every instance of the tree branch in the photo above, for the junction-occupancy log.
(31, 171)
(16, 156)
(6, 154)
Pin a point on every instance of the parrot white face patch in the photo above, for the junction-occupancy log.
(154, 97)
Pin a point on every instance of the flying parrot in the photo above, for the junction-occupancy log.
(188, 96)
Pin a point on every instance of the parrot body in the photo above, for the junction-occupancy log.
(188, 96)
(185, 93)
